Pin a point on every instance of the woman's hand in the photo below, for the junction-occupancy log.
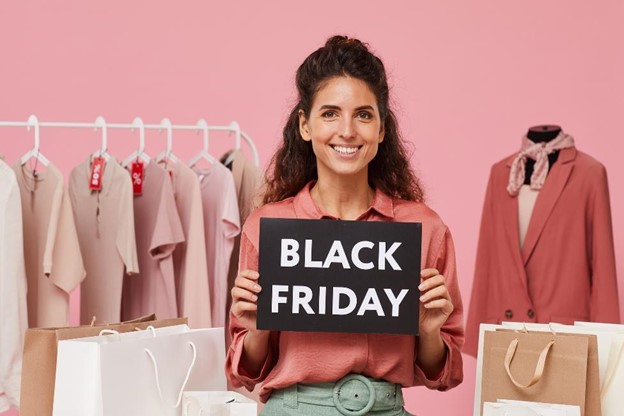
(245, 309)
(435, 302)
(245, 298)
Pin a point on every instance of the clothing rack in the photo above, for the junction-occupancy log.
(201, 125)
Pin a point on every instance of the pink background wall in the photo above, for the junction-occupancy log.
(468, 79)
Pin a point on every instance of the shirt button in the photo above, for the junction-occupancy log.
(508, 314)
(530, 313)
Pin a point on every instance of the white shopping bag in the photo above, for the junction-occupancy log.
(522, 409)
(217, 403)
(138, 373)
(543, 407)
(612, 392)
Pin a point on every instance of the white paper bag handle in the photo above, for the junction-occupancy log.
(188, 374)
(611, 375)
(186, 407)
(539, 368)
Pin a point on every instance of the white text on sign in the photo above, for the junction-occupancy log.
(290, 255)
(303, 295)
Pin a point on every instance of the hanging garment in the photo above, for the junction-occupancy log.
(52, 255)
(565, 270)
(105, 224)
(13, 309)
(247, 181)
(221, 226)
(158, 231)
(189, 256)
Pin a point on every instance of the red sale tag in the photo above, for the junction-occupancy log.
(97, 172)
(137, 177)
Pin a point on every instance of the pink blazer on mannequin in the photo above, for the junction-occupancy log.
(565, 271)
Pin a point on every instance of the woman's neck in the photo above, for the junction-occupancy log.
(346, 200)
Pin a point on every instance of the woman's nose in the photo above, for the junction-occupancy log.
(347, 129)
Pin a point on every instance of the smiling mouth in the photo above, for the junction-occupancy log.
(346, 150)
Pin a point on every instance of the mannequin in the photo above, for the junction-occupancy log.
(563, 269)
(541, 134)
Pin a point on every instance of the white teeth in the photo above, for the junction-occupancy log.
(345, 150)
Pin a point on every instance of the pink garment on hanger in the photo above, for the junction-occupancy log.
(105, 225)
(158, 231)
(189, 256)
(221, 226)
(51, 249)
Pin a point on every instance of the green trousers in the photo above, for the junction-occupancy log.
(352, 395)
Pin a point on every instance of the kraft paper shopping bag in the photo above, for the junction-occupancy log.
(592, 391)
(39, 359)
(217, 403)
(535, 366)
(138, 373)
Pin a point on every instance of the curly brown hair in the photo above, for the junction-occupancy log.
(294, 164)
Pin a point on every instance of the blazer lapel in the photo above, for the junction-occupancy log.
(548, 196)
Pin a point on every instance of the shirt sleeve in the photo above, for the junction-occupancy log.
(231, 215)
(168, 228)
(64, 267)
(236, 373)
(126, 237)
(604, 306)
(452, 331)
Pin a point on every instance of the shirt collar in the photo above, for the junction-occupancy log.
(305, 207)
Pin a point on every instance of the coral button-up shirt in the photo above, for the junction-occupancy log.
(304, 357)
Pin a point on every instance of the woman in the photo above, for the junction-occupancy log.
(342, 158)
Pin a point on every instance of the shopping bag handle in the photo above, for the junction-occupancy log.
(539, 368)
(188, 374)
(611, 375)
(186, 407)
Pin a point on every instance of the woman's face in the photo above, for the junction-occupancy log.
(344, 127)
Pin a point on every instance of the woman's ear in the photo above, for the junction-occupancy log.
(382, 133)
(303, 126)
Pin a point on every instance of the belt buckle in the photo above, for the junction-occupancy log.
(371, 395)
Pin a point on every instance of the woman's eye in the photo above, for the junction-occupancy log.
(365, 115)
(329, 114)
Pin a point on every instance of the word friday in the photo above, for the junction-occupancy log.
(303, 295)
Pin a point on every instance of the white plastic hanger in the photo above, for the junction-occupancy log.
(203, 154)
(234, 127)
(34, 152)
(140, 152)
(103, 152)
(167, 154)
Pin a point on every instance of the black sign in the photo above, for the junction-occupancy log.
(339, 276)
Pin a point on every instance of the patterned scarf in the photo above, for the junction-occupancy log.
(538, 152)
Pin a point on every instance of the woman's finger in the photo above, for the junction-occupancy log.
(436, 292)
(239, 308)
(239, 294)
(431, 282)
(427, 273)
(439, 304)
(244, 282)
